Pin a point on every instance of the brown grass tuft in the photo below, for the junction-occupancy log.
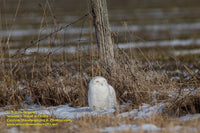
(189, 104)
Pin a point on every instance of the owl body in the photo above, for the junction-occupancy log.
(101, 95)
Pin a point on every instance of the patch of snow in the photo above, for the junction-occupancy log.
(3, 113)
(184, 52)
(147, 128)
(73, 49)
(129, 127)
(196, 71)
(189, 117)
(175, 78)
(13, 130)
(29, 99)
(176, 128)
(172, 72)
(31, 32)
(63, 111)
(150, 127)
(172, 28)
(182, 128)
(184, 73)
(20, 86)
(175, 42)
(70, 49)
(144, 111)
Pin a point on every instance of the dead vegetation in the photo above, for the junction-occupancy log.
(98, 123)
(139, 77)
(48, 83)
(42, 79)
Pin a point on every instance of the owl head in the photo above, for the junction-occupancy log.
(98, 80)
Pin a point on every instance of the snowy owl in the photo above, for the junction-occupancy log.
(101, 95)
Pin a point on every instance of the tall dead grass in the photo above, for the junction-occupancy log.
(49, 84)
(53, 79)
(41, 80)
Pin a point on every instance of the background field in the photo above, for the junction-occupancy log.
(157, 48)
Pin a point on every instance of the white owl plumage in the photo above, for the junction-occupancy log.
(101, 95)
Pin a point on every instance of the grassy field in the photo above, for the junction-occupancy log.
(135, 78)
(146, 74)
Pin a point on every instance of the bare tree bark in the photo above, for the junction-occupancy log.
(102, 30)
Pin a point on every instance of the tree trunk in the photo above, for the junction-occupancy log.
(99, 14)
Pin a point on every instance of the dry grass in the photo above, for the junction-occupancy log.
(50, 82)
(53, 79)
(97, 123)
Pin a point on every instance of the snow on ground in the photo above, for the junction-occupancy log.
(147, 128)
(144, 111)
(65, 111)
(13, 130)
(174, 29)
(163, 43)
(62, 111)
(184, 52)
(125, 127)
(189, 117)
(73, 49)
